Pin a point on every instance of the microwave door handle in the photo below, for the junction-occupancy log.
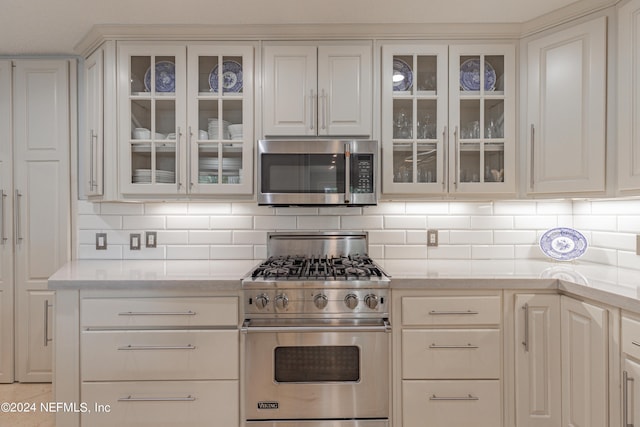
(347, 173)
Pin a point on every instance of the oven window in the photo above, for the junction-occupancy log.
(313, 364)
(303, 173)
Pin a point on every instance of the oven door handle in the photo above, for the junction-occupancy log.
(384, 327)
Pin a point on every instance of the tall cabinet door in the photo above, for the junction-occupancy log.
(344, 90)
(6, 224)
(629, 96)
(42, 204)
(94, 137)
(584, 363)
(290, 90)
(538, 396)
(566, 110)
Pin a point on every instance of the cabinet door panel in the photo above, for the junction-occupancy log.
(92, 141)
(537, 361)
(344, 90)
(290, 90)
(566, 109)
(584, 364)
(631, 391)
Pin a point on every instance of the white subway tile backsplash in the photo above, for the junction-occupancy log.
(121, 209)
(581, 207)
(492, 222)
(449, 252)
(166, 208)
(143, 222)
(471, 208)
(629, 223)
(376, 251)
(209, 208)
(144, 253)
(87, 208)
(600, 256)
(187, 222)
(433, 208)
(297, 211)
(340, 210)
(595, 222)
(514, 237)
(492, 252)
(275, 222)
(469, 237)
(386, 208)
(514, 208)
(260, 252)
(97, 222)
(231, 252)
(210, 237)
(405, 222)
(555, 207)
(405, 252)
(387, 237)
(628, 260)
(538, 222)
(249, 237)
(449, 222)
(366, 222)
(172, 237)
(615, 207)
(529, 252)
(90, 252)
(416, 237)
(320, 223)
(251, 208)
(236, 222)
(620, 241)
(188, 252)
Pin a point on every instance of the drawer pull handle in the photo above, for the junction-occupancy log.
(158, 347)
(156, 399)
(471, 346)
(438, 313)
(157, 313)
(635, 343)
(468, 397)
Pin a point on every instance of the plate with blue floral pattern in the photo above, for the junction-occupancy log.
(402, 75)
(563, 243)
(231, 77)
(470, 75)
(165, 77)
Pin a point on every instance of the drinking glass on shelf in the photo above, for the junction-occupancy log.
(402, 125)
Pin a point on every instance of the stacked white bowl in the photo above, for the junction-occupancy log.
(214, 126)
(235, 131)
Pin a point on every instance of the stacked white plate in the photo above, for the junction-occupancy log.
(144, 176)
(214, 126)
(235, 131)
(213, 164)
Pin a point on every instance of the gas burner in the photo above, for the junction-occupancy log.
(277, 271)
(357, 271)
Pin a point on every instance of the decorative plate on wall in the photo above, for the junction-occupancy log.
(402, 75)
(563, 243)
(165, 77)
(231, 77)
(470, 75)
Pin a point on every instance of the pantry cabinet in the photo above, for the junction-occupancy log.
(566, 109)
(186, 119)
(448, 119)
(317, 90)
(628, 96)
(537, 378)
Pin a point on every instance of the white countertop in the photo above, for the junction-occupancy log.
(609, 285)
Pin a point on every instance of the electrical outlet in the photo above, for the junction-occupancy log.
(432, 237)
(101, 241)
(134, 241)
(151, 238)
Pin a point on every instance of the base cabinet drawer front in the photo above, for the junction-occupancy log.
(158, 355)
(167, 312)
(161, 404)
(451, 311)
(451, 354)
(451, 404)
(631, 337)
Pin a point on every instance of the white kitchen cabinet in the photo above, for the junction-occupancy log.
(6, 225)
(98, 141)
(628, 96)
(448, 366)
(585, 369)
(186, 124)
(630, 345)
(318, 90)
(537, 360)
(566, 109)
(36, 205)
(444, 129)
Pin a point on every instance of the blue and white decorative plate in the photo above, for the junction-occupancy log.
(231, 77)
(402, 75)
(470, 75)
(165, 77)
(563, 243)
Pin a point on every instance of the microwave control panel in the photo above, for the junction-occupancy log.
(362, 173)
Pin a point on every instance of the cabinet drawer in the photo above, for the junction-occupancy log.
(159, 403)
(443, 311)
(630, 330)
(158, 355)
(168, 312)
(451, 354)
(451, 403)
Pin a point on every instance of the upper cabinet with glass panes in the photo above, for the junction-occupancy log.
(446, 129)
(186, 115)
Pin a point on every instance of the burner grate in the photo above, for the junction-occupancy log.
(317, 268)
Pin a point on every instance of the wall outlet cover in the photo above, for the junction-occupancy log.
(101, 241)
(432, 237)
(150, 239)
(134, 241)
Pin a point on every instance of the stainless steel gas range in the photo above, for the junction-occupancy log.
(316, 334)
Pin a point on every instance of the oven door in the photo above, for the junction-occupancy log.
(315, 371)
(316, 172)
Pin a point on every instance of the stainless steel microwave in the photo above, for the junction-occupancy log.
(317, 172)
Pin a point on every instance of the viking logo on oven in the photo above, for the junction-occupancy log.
(268, 405)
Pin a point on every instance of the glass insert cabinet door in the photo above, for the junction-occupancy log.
(414, 118)
(186, 118)
(482, 119)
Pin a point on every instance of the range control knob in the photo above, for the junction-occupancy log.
(371, 301)
(351, 301)
(282, 302)
(320, 301)
(262, 301)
